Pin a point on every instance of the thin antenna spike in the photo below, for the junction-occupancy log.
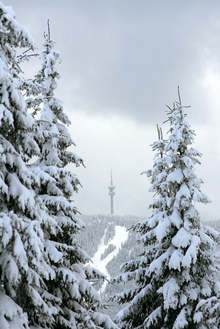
(111, 194)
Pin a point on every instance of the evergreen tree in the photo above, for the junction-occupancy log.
(72, 294)
(175, 277)
(23, 261)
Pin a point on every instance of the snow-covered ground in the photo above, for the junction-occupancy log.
(120, 237)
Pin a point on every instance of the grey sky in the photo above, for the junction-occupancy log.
(121, 62)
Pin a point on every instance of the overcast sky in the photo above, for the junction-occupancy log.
(121, 63)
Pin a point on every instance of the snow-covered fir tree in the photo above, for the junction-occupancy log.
(71, 291)
(23, 261)
(175, 277)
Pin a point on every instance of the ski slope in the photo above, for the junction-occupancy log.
(120, 237)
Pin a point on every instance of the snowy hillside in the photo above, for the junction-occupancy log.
(107, 250)
(109, 244)
(108, 241)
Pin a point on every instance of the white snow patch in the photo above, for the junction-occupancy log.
(11, 315)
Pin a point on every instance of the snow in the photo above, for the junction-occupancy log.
(11, 315)
(9, 268)
(157, 264)
(18, 190)
(191, 254)
(53, 253)
(182, 238)
(5, 227)
(101, 319)
(154, 315)
(170, 293)
(162, 228)
(175, 218)
(175, 176)
(181, 321)
(18, 250)
(183, 192)
(120, 237)
(175, 260)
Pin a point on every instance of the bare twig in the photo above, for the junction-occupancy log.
(180, 101)
(161, 133)
(158, 132)
(48, 28)
(169, 108)
(20, 58)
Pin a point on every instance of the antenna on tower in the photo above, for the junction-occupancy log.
(112, 194)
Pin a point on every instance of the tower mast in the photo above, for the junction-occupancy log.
(111, 193)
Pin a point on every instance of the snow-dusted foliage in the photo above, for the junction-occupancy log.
(176, 286)
(72, 295)
(23, 261)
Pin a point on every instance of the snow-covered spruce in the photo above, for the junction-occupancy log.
(72, 294)
(175, 277)
(23, 261)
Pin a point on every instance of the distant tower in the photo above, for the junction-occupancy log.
(112, 193)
